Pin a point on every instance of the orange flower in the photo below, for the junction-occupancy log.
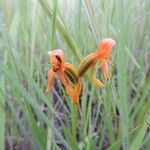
(66, 74)
(102, 55)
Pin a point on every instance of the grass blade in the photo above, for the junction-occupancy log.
(140, 136)
(2, 121)
(62, 29)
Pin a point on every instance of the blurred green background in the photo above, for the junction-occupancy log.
(116, 117)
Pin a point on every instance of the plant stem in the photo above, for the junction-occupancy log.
(75, 122)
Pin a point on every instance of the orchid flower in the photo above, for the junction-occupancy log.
(103, 56)
(66, 73)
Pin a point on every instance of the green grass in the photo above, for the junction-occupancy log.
(2, 118)
(115, 117)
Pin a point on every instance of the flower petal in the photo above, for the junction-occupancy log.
(86, 63)
(105, 70)
(64, 81)
(74, 92)
(96, 81)
(71, 73)
(105, 47)
(55, 52)
(56, 57)
(51, 77)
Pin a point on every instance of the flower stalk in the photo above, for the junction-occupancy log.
(75, 122)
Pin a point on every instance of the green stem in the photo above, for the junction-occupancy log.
(75, 122)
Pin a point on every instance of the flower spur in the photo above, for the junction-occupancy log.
(66, 73)
(102, 56)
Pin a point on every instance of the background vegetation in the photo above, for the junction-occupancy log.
(115, 117)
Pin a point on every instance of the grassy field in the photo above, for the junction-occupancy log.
(115, 117)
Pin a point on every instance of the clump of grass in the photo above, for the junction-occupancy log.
(111, 118)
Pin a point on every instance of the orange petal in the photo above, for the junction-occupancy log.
(96, 81)
(51, 77)
(86, 63)
(56, 57)
(74, 92)
(71, 73)
(105, 70)
(62, 78)
(105, 47)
